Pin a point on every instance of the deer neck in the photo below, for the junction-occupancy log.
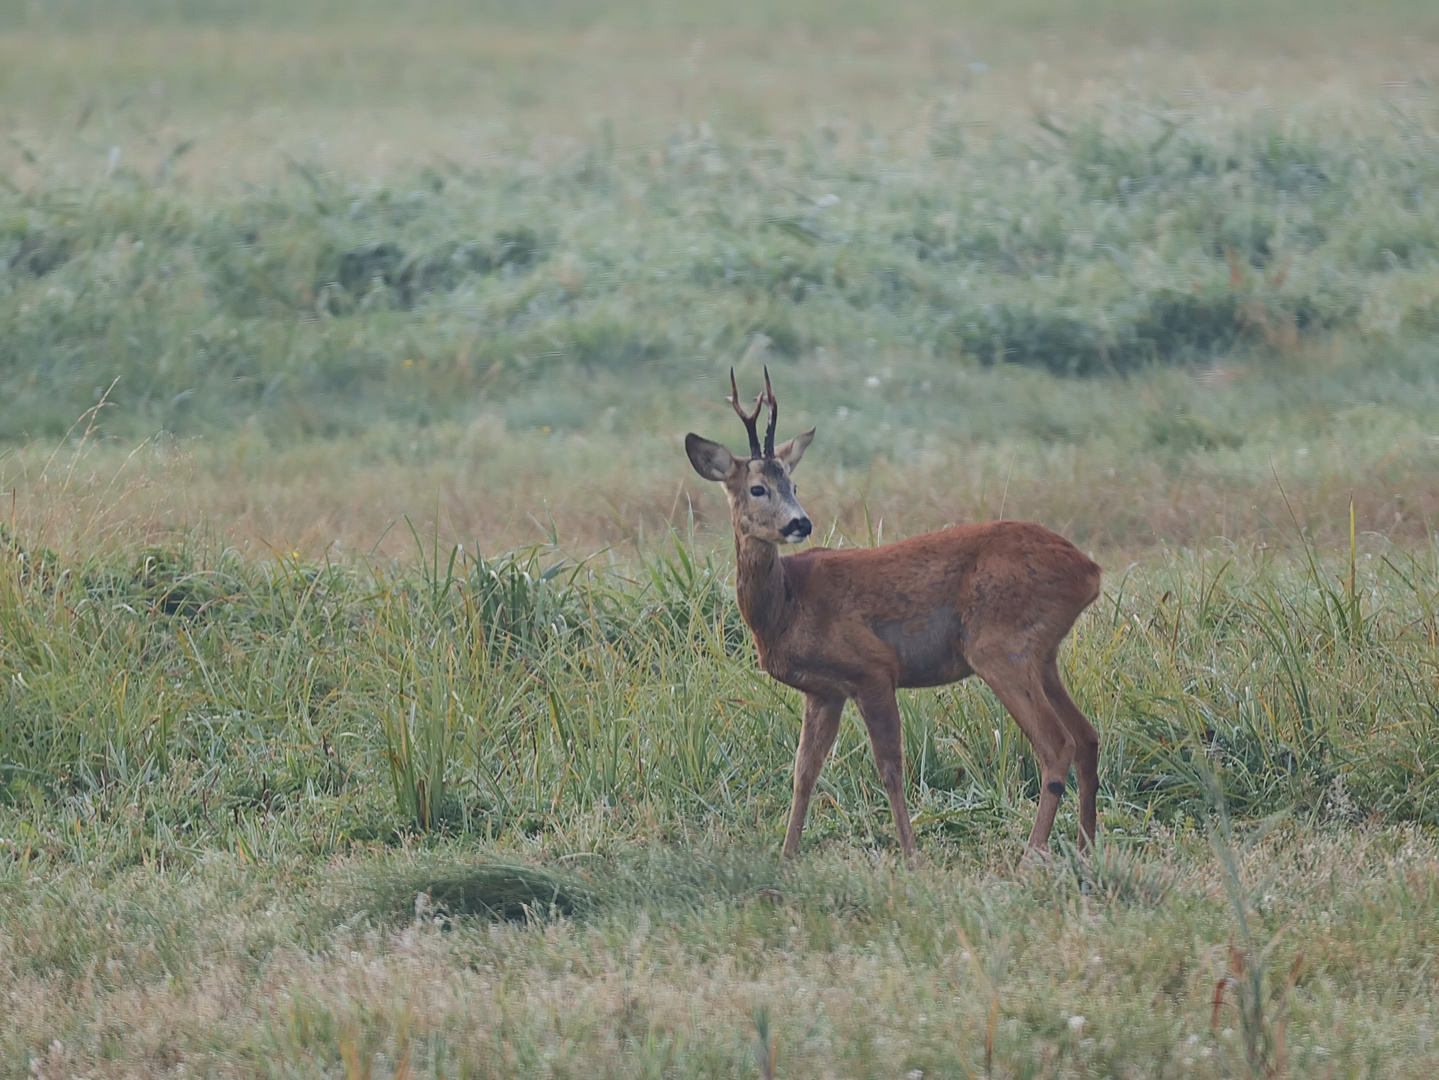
(761, 588)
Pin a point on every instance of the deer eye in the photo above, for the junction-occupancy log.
(758, 492)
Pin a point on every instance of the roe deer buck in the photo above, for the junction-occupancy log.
(994, 599)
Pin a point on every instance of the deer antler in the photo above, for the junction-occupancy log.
(750, 418)
(773, 416)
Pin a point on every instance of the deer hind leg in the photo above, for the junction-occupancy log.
(1019, 685)
(881, 717)
(1086, 748)
(816, 736)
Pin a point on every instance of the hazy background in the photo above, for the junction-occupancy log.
(359, 261)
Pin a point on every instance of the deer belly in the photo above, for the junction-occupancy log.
(929, 648)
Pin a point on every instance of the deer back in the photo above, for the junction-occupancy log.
(909, 612)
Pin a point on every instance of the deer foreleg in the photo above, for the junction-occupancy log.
(816, 737)
(881, 717)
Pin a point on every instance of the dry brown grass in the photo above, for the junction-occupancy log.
(372, 100)
(505, 489)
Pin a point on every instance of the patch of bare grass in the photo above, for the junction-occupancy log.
(885, 986)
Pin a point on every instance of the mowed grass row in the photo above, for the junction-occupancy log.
(710, 960)
(1090, 244)
(185, 701)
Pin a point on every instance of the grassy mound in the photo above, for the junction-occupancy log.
(507, 891)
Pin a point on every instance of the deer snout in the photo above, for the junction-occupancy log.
(797, 529)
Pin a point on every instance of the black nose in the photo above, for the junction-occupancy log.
(797, 529)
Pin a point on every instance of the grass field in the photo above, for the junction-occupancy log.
(373, 701)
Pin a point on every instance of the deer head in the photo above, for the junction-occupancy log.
(761, 495)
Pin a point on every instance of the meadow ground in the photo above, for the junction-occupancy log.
(374, 702)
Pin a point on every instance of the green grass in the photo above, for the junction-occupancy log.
(188, 702)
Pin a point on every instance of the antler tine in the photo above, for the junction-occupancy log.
(748, 418)
(773, 416)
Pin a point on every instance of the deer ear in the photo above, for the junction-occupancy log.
(792, 451)
(710, 459)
